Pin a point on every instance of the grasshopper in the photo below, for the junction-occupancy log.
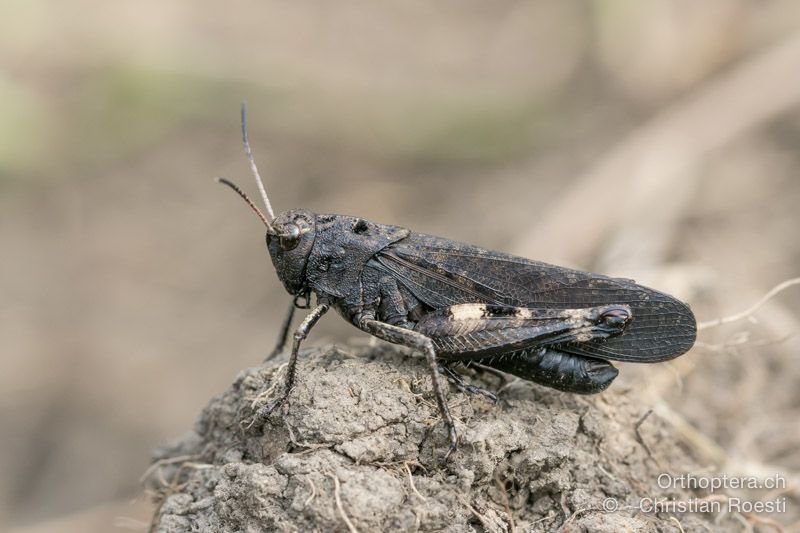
(462, 304)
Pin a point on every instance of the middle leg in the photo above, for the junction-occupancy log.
(412, 339)
(280, 344)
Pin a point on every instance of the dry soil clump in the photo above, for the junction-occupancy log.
(358, 447)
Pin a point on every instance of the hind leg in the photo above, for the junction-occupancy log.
(458, 380)
(488, 370)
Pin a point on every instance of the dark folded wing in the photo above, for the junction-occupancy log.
(441, 273)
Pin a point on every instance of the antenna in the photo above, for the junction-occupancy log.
(253, 167)
(246, 199)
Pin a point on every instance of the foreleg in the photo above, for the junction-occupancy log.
(299, 336)
(284, 333)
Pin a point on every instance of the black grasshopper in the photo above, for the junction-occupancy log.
(459, 303)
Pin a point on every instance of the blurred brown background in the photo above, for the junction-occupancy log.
(655, 140)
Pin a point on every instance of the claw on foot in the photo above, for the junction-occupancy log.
(453, 443)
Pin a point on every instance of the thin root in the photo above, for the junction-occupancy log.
(411, 482)
(677, 523)
(763, 520)
(347, 521)
(639, 437)
(478, 515)
(162, 462)
(501, 487)
(313, 492)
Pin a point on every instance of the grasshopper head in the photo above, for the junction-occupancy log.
(290, 235)
(290, 238)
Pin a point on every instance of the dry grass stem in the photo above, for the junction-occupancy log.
(750, 311)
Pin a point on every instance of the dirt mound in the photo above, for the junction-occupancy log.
(359, 443)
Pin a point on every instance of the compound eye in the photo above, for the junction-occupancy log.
(290, 238)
